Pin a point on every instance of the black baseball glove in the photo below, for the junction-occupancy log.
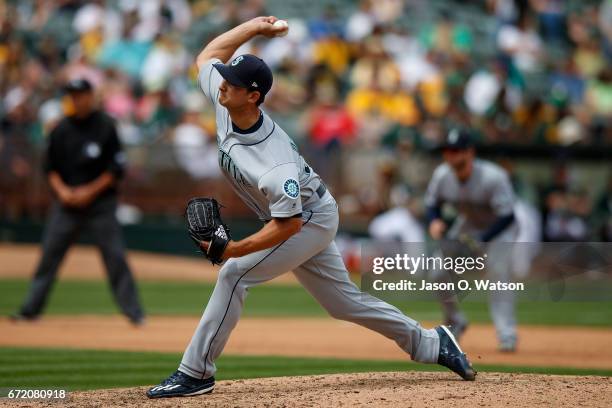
(204, 223)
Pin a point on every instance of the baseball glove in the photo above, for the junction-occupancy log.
(469, 245)
(204, 223)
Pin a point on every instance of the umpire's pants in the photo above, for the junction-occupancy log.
(62, 230)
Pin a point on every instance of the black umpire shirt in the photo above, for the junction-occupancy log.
(81, 149)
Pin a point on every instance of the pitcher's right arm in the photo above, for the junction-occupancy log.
(225, 45)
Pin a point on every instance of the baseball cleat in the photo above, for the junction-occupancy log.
(180, 384)
(452, 357)
(139, 321)
(21, 317)
(507, 345)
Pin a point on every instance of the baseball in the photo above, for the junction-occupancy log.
(283, 25)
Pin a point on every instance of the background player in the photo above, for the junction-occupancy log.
(482, 195)
(301, 218)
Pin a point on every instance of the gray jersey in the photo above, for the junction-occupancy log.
(486, 195)
(262, 163)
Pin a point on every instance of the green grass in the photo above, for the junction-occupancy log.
(91, 369)
(188, 298)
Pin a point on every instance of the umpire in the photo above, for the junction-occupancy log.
(83, 163)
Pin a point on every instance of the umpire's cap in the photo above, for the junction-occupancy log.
(247, 71)
(78, 85)
(458, 139)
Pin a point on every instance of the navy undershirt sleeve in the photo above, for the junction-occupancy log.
(500, 224)
(433, 213)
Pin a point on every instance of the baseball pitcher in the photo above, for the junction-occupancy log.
(300, 218)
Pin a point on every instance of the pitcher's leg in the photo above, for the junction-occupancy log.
(219, 319)
(235, 277)
(327, 280)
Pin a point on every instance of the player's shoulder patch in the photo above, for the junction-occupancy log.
(291, 188)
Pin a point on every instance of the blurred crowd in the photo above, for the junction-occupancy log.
(373, 74)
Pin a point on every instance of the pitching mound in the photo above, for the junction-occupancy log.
(377, 389)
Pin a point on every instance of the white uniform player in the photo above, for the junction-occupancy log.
(301, 218)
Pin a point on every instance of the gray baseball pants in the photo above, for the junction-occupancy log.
(314, 259)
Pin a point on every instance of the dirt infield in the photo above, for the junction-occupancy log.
(305, 337)
(407, 389)
(83, 262)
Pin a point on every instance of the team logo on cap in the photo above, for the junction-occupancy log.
(237, 60)
(291, 188)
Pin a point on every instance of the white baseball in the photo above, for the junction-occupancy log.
(283, 25)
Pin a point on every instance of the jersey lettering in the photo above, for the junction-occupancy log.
(227, 164)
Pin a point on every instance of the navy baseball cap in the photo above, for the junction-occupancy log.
(78, 85)
(458, 139)
(247, 71)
